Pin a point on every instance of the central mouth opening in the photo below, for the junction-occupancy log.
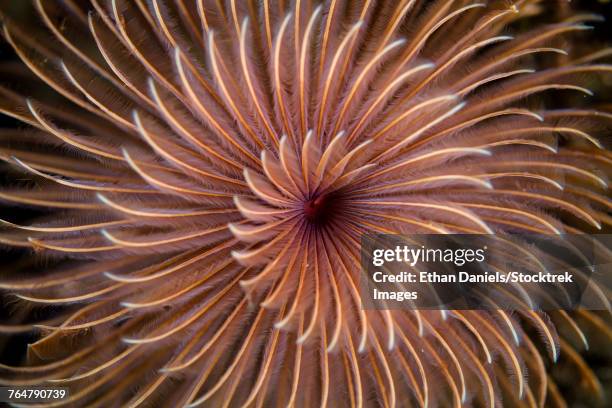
(318, 208)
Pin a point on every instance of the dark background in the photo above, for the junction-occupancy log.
(12, 348)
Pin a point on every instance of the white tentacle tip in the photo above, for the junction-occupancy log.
(106, 234)
(280, 325)
(16, 160)
(398, 42)
(30, 104)
(59, 380)
(177, 53)
(125, 154)
(331, 347)
(135, 117)
(484, 183)
(555, 356)
(558, 185)
(64, 67)
(111, 276)
(151, 83)
(234, 230)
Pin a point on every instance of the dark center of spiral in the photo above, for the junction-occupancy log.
(319, 208)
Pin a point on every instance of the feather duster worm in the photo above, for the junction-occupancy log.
(206, 169)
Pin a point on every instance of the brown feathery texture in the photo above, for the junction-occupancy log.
(208, 168)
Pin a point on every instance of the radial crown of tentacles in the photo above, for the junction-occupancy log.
(206, 171)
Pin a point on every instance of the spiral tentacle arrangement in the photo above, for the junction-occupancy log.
(205, 170)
